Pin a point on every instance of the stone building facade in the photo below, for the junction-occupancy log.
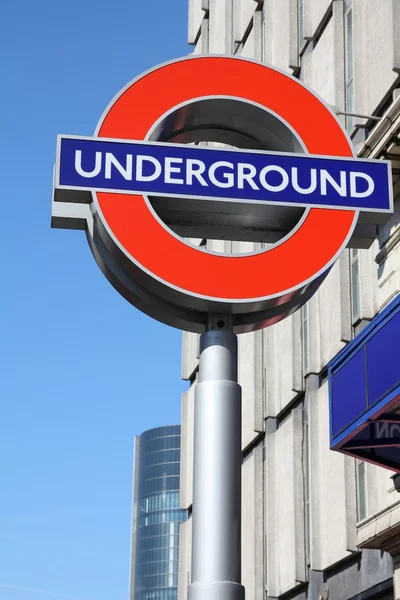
(316, 524)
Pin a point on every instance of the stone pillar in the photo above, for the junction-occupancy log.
(392, 545)
(396, 577)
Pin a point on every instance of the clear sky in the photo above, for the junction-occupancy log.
(82, 372)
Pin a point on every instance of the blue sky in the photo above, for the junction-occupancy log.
(82, 372)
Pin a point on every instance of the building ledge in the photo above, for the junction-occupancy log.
(381, 531)
(382, 135)
(388, 246)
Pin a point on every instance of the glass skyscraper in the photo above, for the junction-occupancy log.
(156, 515)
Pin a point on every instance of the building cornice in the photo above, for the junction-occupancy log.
(382, 135)
(381, 531)
(388, 247)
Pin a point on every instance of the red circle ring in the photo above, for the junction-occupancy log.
(303, 257)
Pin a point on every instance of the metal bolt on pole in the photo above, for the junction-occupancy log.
(216, 518)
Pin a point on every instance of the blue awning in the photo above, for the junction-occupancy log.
(364, 392)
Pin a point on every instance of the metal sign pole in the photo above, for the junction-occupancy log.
(216, 537)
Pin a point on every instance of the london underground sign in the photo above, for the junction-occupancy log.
(293, 166)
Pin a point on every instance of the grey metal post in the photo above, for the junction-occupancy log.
(216, 518)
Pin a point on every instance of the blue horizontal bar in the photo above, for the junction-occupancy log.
(178, 170)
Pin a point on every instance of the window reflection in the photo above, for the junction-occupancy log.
(160, 501)
(162, 517)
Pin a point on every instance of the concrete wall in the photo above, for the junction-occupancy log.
(280, 42)
(280, 361)
(187, 413)
(253, 527)
(285, 506)
(275, 385)
(185, 567)
(374, 25)
(332, 511)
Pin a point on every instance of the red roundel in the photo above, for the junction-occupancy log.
(299, 259)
